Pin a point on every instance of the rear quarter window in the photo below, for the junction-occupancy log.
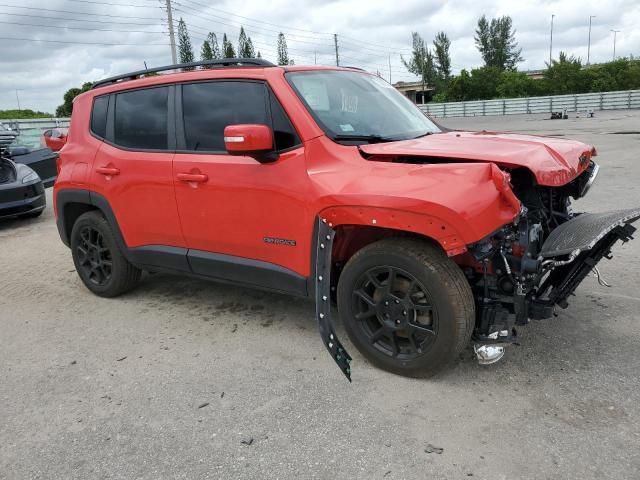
(98, 117)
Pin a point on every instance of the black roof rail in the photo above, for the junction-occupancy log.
(225, 62)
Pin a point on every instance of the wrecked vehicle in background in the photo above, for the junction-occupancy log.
(328, 183)
(40, 159)
(21, 189)
(54, 138)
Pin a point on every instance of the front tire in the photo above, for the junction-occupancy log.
(99, 262)
(406, 306)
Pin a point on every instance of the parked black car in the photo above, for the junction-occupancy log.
(42, 161)
(21, 189)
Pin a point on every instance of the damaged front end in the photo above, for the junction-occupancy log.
(526, 269)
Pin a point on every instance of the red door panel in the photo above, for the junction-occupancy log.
(139, 188)
(238, 205)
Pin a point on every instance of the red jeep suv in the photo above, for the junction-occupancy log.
(328, 183)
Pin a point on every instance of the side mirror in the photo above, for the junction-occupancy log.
(254, 140)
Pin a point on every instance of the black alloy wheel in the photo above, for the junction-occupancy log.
(395, 312)
(100, 263)
(94, 257)
(406, 306)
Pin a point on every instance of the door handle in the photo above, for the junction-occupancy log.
(110, 171)
(193, 177)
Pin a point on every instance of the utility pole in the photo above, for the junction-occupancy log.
(615, 34)
(390, 69)
(589, 44)
(315, 57)
(551, 40)
(18, 99)
(172, 37)
(335, 42)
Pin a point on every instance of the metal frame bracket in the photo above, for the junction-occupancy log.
(324, 244)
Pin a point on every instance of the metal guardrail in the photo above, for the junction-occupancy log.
(31, 129)
(36, 123)
(582, 102)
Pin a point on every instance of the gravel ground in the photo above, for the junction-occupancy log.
(188, 379)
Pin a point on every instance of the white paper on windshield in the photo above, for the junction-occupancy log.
(314, 93)
(349, 102)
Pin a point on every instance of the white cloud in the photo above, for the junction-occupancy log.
(370, 33)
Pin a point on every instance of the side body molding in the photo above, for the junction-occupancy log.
(207, 265)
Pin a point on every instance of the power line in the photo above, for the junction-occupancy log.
(83, 43)
(283, 28)
(76, 13)
(204, 31)
(79, 28)
(221, 20)
(78, 19)
(114, 4)
(289, 33)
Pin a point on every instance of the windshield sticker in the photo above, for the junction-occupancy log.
(347, 127)
(315, 94)
(349, 102)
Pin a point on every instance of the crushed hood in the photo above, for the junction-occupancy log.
(553, 161)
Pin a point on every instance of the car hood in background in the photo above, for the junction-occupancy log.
(553, 161)
(42, 161)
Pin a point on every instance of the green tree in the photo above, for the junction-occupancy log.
(23, 113)
(205, 52)
(566, 75)
(242, 44)
(245, 45)
(421, 63)
(441, 45)
(620, 74)
(185, 50)
(251, 51)
(227, 48)
(283, 51)
(484, 83)
(213, 42)
(496, 42)
(517, 84)
(66, 108)
(459, 87)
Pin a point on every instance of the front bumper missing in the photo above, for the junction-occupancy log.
(324, 244)
(573, 250)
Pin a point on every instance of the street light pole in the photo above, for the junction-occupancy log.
(551, 40)
(589, 45)
(615, 34)
(172, 38)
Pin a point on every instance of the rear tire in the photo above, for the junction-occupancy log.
(406, 306)
(99, 262)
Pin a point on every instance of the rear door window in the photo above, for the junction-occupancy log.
(141, 119)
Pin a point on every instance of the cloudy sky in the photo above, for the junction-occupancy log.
(48, 47)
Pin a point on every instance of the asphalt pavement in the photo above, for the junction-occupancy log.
(185, 379)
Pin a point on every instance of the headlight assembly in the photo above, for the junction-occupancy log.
(31, 176)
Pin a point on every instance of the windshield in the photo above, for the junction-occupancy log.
(359, 107)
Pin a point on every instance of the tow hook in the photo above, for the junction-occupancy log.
(488, 354)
